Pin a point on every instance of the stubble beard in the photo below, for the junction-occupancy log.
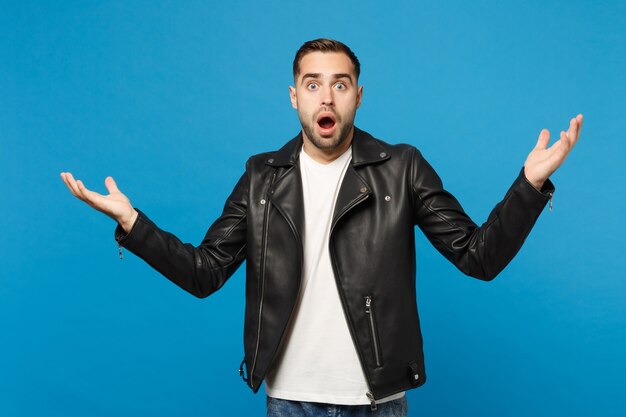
(327, 143)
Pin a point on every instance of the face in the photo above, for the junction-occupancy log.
(326, 96)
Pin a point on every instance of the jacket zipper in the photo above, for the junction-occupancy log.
(369, 310)
(262, 283)
(369, 393)
(550, 194)
(373, 405)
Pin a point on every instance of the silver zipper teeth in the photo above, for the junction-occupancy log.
(258, 334)
(369, 311)
(551, 201)
(368, 394)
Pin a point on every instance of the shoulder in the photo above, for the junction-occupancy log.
(398, 151)
(259, 160)
(285, 156)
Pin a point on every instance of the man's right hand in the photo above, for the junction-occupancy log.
(115, 205)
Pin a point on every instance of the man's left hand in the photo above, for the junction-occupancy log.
(543, 161)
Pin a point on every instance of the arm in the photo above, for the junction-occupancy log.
(484, 251)
(199, 270)
(481, 252)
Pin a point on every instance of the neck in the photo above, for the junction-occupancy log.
(326, 156)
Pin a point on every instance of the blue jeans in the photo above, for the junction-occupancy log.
(286, 408)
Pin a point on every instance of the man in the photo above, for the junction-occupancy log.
(325, 225)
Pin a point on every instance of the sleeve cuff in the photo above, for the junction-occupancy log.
(547, 189)
(120, 235)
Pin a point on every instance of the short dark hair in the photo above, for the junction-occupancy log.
(324, 45)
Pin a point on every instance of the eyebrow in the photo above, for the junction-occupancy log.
(319, 75)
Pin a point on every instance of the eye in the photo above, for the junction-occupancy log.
(340, 86)
(311, 86)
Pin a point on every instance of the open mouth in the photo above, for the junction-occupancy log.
(326, 122)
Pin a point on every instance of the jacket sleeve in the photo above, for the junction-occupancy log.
(199, 270)
(481, 252)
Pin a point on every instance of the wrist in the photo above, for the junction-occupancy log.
(537, 183)
(127, 222)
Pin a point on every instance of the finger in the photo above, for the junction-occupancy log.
(572, 132)
(73, 186)
(91, 197)
(82, 190)
(579, 119)
(544, 138)
(559, 144)
(109, 182)
(556, 147)
(564, 146)
(570, 142)
(67, 184)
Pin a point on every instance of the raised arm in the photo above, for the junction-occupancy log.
(482, 252)
(199, 270)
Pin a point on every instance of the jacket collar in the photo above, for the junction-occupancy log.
(365, 150)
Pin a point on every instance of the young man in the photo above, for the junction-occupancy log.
(325, 225)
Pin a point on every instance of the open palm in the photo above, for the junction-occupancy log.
(115, 205)
(543, 161)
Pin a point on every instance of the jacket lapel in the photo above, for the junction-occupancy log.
(287, 197)
(287, 194)
(354, 189)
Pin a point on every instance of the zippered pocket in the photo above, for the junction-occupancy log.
(371, 317)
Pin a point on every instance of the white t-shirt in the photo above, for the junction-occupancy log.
(318, 361)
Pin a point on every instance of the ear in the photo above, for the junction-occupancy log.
(293, 97)
(359, 96)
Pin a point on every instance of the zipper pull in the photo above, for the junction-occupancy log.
(550, 194)
(241, 371)
(368, 302)
(373, 405)
(119, 250)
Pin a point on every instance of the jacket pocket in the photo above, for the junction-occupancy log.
(375, 341)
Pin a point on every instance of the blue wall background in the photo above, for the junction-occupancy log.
(170, 98)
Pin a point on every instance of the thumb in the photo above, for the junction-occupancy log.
(109, 182)
(544, 138)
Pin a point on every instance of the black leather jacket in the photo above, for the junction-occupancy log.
(386, 191)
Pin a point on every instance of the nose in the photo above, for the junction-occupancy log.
(327, 97)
